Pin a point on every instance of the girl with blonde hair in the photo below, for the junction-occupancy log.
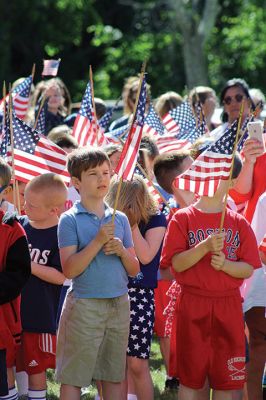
(148, 227)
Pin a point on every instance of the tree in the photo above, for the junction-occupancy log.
(196, 20)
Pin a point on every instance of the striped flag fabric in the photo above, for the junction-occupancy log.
(86, 129)
(117, 135)
(50, 67)
(262, 246)
(20, 97)
(152, 123)
(40, 126)
(169, 142)
(127, 163)
(181, 119)
(34, 154)
(210, 167)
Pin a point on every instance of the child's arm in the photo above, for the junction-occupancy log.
(74, 263)
(188, 258)
(236, 269)
(47, 274)
(128, 256)
(147, 247)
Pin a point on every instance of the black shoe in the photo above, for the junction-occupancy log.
(171, 384)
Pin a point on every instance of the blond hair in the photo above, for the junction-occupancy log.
(51, 186)
(134, 196)
(5, 173)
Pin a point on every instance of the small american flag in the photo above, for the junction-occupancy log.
(169, 142)
(34, 154)
(210, 167)
(20, 97)
(126, 166)
(86, 129)
(115, 135)
(50, 67)
(41, 114)
(153, 124)
(180, 118)
(200, 119)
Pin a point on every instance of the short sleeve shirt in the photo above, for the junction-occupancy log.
(105, 276)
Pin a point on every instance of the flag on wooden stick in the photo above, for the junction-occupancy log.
(50, 67)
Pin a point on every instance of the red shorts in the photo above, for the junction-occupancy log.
(208, 340)
(36, 353)
(161, 301)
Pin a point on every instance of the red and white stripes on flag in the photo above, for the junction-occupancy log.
(20, 97)
(34, 154)
(170, 124)
(50, 67)
(169, 142)
(262, 246)
(127, 163)
(86, 129)
(212, 166)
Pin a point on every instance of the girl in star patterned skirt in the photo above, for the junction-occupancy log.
(148, 228)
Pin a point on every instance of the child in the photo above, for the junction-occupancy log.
(98, 256)
(210, 267)
(45, 196)
(166, 167)
(148, 228)
(14, 272)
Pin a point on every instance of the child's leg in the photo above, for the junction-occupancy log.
(37, 386)
(68, 392)
(222, 395)
(139, 371)
(186, 393)
(111, 390)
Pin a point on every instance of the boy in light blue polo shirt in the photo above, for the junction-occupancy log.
(98, 256)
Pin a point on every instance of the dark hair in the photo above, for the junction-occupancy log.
(235, 82)
(167, 166)
(149, 144)
(85, 158)
(62, 136)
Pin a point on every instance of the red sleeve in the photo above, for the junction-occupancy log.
(240, 197)
(248, 251)
(175, 240)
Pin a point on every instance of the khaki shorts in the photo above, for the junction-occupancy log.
(92, 340)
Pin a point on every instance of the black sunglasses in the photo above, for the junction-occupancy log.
(238, 97)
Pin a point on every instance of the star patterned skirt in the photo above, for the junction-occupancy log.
(141, 322)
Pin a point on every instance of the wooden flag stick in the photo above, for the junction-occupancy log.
(12, 146)
(39, 112)
(4, 106)
(93, 103)
(132, 122)
(18, 197)
(232, 166)
(33, 70)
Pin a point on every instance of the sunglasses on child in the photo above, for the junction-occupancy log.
(238, 98)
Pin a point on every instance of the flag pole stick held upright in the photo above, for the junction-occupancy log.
(232, 166)
(93, 104)
(33, 71)
(10, 108)
(131, 126)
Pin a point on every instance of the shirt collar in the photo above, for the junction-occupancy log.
(80, 209)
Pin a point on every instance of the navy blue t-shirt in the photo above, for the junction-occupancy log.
(40, 299)
(147, 278)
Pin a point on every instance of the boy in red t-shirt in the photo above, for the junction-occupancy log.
(210, 267)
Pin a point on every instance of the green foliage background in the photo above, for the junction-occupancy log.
(116, 36)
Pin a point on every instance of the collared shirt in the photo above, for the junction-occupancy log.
(105, 276)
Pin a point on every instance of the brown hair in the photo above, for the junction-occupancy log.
(5, 173)
(167, 102)
(134, 196)
(85, 158)
(167, 166)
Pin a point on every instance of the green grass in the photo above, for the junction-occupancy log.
(157, 371)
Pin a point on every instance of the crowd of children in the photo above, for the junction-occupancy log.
(101, 280)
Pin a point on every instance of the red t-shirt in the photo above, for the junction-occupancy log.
(190, 226)
(258, 188)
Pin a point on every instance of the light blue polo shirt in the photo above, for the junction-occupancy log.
(105, 276)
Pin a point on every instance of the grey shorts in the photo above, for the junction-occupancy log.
(92, 340)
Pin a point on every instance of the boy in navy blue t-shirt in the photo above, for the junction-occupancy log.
(45, 196)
